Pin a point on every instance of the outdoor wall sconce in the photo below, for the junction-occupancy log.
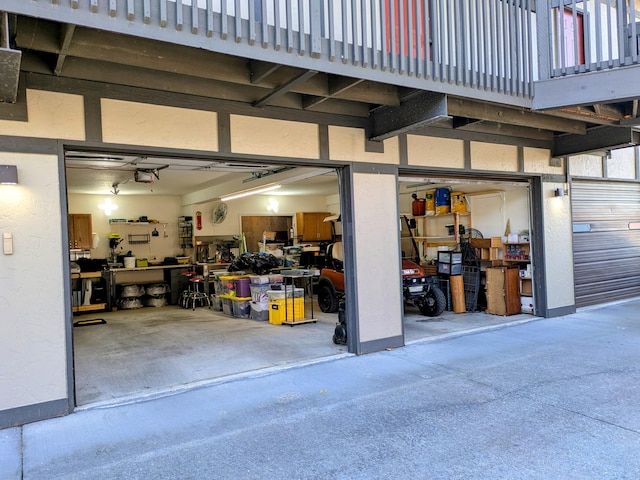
(561, 192)
(8, 175)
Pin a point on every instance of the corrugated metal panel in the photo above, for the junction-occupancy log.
(606, 258)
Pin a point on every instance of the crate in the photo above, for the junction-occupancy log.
(278, 312)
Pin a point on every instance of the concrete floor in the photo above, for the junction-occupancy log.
(155, 351)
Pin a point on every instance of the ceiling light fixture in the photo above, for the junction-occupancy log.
(108, 206)
(252, 191)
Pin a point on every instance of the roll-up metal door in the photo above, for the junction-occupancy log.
(606, 241)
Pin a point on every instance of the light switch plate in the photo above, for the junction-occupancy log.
(7, 243)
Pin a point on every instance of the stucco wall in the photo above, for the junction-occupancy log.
(349, 144)
(158, 125)
(558, 263)
(377, 262)
(435, 152)
(32, 332)
(264, 136)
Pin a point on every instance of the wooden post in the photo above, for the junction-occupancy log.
(457, 294)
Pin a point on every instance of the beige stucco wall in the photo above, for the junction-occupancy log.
(158, 126)
(50, 115)
(622, 163)
(435, 152)
(558, 262)
(32, 332)
(349, 144)
(491, 156)
(536, 160)
(585, 166)
(264, 136)
(379, 289)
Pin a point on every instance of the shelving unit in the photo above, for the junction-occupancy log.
(516, 252)
(427, 240)
(185, 232)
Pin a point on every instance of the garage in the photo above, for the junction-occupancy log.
(606, 241)
(165, 215)
(473, 237)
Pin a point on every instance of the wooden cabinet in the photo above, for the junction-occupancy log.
(503, 290)
(80, 231)
(311, 226)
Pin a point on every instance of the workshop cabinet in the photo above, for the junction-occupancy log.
(80, 231)
(311, 226)
(503, 290)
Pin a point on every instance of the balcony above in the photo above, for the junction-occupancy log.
(390, 66)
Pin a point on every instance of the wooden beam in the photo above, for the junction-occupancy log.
(67, 34)
(261, 70)
(512, 116)
(284, 88)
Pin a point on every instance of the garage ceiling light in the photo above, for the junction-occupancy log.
(251, 191)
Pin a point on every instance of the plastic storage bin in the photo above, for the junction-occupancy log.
(292, 311)
(241, 307)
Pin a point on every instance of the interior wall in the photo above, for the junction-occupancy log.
(33, 362)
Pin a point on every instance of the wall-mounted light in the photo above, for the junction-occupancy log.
(8, 175)
(251, 191)
(107, 206)
(561, 192)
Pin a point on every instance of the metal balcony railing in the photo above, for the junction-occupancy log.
(583, 36)
(450, 46)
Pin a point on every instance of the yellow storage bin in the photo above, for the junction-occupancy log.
(293, 311)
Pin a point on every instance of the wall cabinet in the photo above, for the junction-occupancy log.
(311, 226)
(80, 231)
(503, 290)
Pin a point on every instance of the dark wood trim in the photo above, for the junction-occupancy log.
(92, 118)
(28, 145)
(323, 142)
(224, 132)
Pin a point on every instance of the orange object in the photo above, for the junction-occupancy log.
(199, 220)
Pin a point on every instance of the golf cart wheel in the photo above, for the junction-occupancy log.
(327, 299)
(433, 303)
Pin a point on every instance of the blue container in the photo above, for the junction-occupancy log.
(443, 201)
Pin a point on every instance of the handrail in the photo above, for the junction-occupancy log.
(484, 45)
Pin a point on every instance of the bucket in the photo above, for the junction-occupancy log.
(129, 262)
(242, 287)
(443, 201)
(458, 202)
(417, 206)
(430, 202)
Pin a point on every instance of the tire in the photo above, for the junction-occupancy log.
(327, 299)
(340, 335)
(433, 303)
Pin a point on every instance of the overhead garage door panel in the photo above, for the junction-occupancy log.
(607, 256)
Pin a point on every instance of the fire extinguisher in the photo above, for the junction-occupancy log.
(199, 220)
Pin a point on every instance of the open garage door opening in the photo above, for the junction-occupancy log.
(471, 239)
(188, 270)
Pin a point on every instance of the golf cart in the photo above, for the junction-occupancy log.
(417, 288)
